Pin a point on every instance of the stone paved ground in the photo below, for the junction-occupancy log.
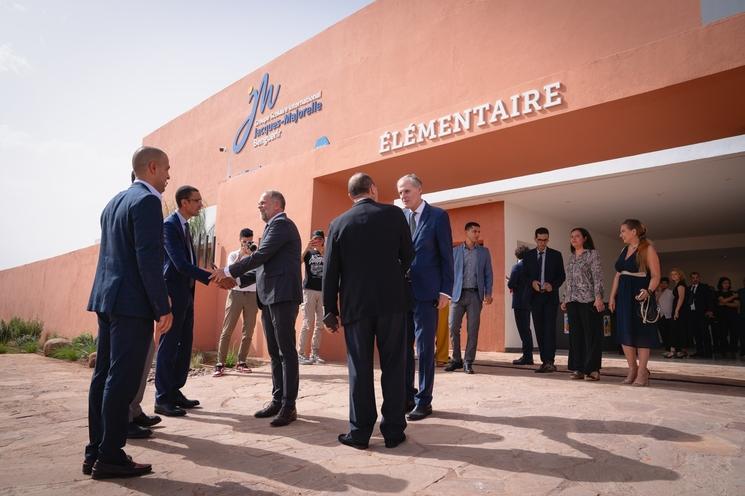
(500, 431)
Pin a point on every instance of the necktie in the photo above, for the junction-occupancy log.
(540, 263)
(412, 223)
(189, 244)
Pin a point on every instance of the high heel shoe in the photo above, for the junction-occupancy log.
(631, 377)
(644, 383)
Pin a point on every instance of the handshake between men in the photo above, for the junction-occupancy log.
(225, 282)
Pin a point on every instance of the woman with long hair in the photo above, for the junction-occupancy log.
(679, 334)
(583, 302)
(637, 277)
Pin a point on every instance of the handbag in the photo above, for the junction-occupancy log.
(649, 310)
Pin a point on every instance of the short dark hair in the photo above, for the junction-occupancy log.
(471, 224)
(276, 195)
(246, 233)
(521, 251)
(588, 244)
(183, 193)
(665, 279)
(359, 184)
(541, 230)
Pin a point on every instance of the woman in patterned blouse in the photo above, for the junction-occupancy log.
(583, 302)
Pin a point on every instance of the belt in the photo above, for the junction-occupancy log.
(633, 274)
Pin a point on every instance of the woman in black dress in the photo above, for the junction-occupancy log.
(637, 276)
(679, 335)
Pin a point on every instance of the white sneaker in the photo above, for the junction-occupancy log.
(317, 359)
(304, 360)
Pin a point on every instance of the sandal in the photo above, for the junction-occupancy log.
(669, 354)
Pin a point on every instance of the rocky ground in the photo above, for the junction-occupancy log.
(501, 431)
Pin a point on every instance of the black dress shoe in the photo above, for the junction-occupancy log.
(348, 440)
(392, 443)
(110, 470)
(453, 366)
(87, 467)
(545, 368)
(146, 420)
(169, 410)
(468, 368)
(285, 416)
(410, 405)
(269, 411)
(184, 402)
(523, 361)
(134, 431)
(419, 413)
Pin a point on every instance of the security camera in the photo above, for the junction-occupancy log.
(222, 148)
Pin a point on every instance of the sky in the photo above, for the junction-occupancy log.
(81, 83)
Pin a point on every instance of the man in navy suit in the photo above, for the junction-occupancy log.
(545, 268)
(180, 271)
(473, 285)
(431, 278)
(368, 252)
(128, 294)
(279, 292)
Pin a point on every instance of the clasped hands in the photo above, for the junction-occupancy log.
(225, 282)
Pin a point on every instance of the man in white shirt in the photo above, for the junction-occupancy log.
(239, 301)
(665, 300)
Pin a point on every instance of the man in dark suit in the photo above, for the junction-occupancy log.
(545, 268)
(431, 278)
(521, 290)
(180, 271)
(701, 300)
(128, 294)
(279, 293)
(368, 252)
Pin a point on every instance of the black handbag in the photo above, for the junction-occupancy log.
(648, 309)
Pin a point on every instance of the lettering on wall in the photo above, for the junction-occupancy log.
(473, 118)
(265, 130)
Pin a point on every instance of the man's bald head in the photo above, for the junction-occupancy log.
(145, 155)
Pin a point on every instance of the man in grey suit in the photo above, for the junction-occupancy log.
(472, 286)
(279, 292)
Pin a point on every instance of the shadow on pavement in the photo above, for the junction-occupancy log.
(164, 487)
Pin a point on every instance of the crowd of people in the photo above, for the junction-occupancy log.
(385, 275)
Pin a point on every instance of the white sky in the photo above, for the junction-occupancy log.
(82, 82)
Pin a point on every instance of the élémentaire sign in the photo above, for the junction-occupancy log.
(488, 113)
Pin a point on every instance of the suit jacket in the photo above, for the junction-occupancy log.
(704, 298)
(129, 278)
(277, 263)
(520, 286)
(368, 252)
(180, 269)
(553, 274)
(484, 275)
(432, 269)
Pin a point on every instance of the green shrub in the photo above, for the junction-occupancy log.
(197, 359)
(17, 327)
(25, 341)
(231, 358)
(85, 344)
(3, 348)
(67, 353)
(30, 347)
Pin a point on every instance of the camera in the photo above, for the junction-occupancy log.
(252, 247)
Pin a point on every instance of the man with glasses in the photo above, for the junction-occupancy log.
(545, 268)
(180, 272)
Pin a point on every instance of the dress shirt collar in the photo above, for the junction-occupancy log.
(418, 210)
(181, 220)
(149, 187)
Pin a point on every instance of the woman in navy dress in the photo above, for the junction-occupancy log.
(637, 276)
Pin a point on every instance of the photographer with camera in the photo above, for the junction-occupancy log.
(240, 300)
(312, 301)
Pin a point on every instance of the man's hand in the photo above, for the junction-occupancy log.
(488, 299)
(442, 302)
(164, 323)
(332, 322)
(218, 274)
(536, 286)
(547, 287)
(227, 283)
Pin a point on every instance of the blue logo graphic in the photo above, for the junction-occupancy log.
(263, 97)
